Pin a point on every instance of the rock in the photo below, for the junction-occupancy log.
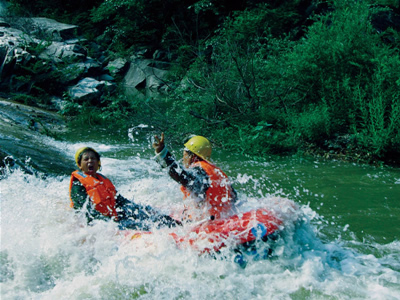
(141, 74)
(51, 29)
(3, 23)
(58, 103)
(118, 66)
(89, 90)
(11, 38)
(156, 79)
(135, 77)
(21, 56)
(12, 53)
(85, 91)
(60, 51)
(49, 53)
(71, 73)
(19, 115)
(96, 51)
(106, 77)
(21, 138)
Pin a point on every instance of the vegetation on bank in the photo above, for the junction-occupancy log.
(258, 77)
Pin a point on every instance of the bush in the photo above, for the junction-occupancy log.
(379, 110)
(335, 81)
(311, 125)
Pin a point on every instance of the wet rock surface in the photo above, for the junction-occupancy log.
(23, 133)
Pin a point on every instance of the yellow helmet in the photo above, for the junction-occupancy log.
(200, 146)
(80, 151)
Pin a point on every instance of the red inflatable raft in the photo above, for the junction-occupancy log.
(233, 231)
(212, 235)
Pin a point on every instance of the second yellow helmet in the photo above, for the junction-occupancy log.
(200, 146)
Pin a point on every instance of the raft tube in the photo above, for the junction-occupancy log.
(236, 230)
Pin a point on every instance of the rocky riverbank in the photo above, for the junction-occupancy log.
(42, 60)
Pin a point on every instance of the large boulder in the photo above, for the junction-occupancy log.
(136, 75)
(142, 75)
(12, 50)
(89, 90)
(50, 29)
(61, 51)
(71, 73)
(118, 66)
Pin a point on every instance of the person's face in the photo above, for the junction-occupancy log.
(89, 163)
(187, 159)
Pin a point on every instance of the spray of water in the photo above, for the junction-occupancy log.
(49, 252)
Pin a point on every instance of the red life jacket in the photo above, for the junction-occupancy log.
(219, 195)
(101, 192)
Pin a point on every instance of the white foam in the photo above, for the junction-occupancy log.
(48, 252)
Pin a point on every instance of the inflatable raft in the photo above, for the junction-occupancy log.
(236, 230)
(212, 235)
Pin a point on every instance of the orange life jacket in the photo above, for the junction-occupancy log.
(101, 191)
(219, 195)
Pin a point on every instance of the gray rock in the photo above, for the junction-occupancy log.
(85, 91)
(135, 77)
(89, 90)
(58, 103)
(118, 66)
(53, 30)
(59, 51)
(155, 79)
(142, 75)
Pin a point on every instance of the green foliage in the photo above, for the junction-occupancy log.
(51, 8)
(344, 63)
(114, 111)
(337, 80)
(26, 99)
(133, 22)
(378, 129)
(70, 109)
(311, 125)
(116, 108)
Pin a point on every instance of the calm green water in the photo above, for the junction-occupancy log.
(363, 199)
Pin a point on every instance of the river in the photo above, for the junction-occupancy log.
(345, 243)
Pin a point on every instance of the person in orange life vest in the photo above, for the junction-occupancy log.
(94, 192)
(209, 188)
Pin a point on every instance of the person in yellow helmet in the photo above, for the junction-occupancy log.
(207, 190)
(95, 193)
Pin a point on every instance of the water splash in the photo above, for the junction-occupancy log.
(48, 251)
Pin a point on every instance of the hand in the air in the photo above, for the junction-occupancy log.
(158, 144)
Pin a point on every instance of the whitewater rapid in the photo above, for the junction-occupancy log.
(48, 251)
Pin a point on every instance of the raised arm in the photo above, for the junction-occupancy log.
(194, 179)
